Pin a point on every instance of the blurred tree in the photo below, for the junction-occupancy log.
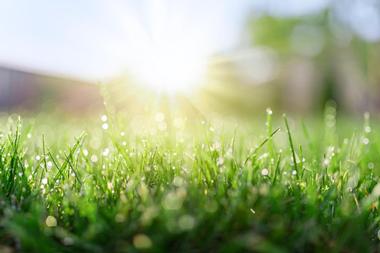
(337, 63)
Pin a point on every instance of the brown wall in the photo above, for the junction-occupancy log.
(26, 91)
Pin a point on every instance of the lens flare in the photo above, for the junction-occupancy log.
(171, 66)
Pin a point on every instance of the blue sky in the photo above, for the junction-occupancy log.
(95, 39)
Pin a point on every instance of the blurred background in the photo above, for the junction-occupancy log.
(294, 56)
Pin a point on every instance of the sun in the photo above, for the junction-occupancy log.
(166, 52)
(171, 66)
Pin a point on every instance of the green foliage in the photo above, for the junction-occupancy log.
(273, 32)
(286, 188)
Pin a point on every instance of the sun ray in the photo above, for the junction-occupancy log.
(166, 51)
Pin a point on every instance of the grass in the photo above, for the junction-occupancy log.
(291, 186)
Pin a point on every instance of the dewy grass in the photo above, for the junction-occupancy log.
(116, 189)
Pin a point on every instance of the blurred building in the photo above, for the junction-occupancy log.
(24, 91)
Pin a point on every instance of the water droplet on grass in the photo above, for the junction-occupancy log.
(106, 152)
(186, 222)
(376, 190)
(104, 118)
(265, 172)
(220, 161)
(178, 181)
(141, 241)
(51, 221)
(120, 218)
(49, 165)
(94, 158)
(44, 181)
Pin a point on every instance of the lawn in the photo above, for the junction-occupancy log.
(280, 184)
